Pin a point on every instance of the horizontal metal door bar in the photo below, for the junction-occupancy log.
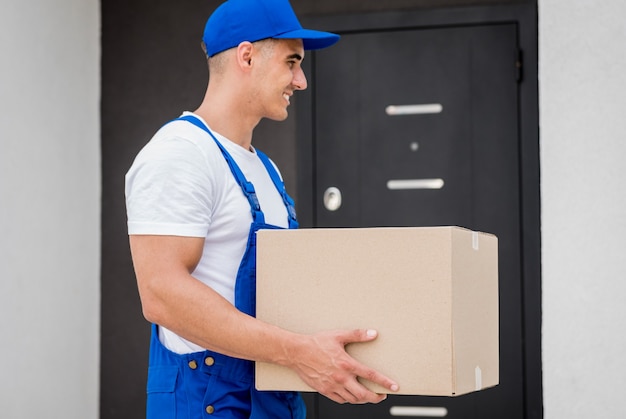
(418, 411)
(404, 184)
(417, 109)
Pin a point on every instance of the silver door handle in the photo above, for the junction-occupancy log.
(332, 199)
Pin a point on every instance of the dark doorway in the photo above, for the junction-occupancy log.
(420, 126)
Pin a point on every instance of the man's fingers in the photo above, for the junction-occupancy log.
(355, 393)
(336, 398)
(378, 378)
(359, 394)
(359, 335)
(366, 335)
(335, 374)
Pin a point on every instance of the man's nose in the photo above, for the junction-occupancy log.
(299, 79)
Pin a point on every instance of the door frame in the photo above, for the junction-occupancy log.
(525, 18)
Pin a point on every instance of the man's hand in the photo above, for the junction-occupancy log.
(323, 363)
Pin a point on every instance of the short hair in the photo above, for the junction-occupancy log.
(217, 62)
(266, 46)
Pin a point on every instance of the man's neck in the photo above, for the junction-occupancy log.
(228, 118)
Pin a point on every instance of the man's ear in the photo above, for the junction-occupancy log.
(245, 51)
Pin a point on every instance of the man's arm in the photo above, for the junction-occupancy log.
(171, 297)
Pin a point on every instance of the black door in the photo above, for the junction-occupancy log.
(419, 127)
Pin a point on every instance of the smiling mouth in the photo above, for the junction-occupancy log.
(287, 97)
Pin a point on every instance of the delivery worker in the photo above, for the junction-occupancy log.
(196, 194)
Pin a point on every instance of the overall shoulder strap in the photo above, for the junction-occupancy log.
(280, 186)
(246, 187)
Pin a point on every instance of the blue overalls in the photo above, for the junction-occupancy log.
(208, 384)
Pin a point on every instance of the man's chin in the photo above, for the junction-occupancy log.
(278, 118)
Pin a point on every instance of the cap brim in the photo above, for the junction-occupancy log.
(311, 39)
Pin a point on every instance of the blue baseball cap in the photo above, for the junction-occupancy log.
(236, 21)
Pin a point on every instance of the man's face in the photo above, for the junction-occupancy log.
(278, 77)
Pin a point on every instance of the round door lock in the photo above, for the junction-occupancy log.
(332, 199)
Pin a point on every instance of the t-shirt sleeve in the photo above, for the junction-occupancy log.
(170, 190)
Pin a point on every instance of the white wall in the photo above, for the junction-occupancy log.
(582, 75)
(49, 208)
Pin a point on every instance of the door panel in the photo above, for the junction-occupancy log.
(455, 164)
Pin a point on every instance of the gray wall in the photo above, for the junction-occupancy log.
(49, 208)
(583, 102)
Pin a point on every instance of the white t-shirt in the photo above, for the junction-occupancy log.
(181, 185)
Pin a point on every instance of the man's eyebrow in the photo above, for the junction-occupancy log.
(296, 56)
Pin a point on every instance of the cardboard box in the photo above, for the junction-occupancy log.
(431, 292)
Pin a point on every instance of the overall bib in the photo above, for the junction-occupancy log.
(209, 384)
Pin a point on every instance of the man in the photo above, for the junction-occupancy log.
(196, 195)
